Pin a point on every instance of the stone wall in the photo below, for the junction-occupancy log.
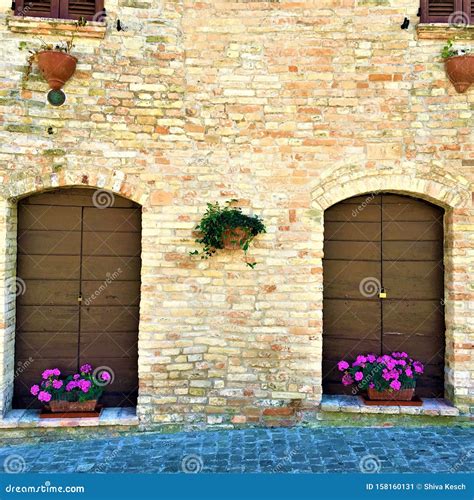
(289, 107)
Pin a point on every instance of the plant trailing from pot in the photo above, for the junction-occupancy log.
(54, 60)
(74, 393)
(227, 227)
(387, 377)
(459, 63)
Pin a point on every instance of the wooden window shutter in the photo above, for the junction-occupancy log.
(37, 8)
(469, 10)
(440, 11)
(75, 9)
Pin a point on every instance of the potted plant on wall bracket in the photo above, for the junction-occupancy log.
(55, 61)
(227, 227)
(72, 395)
(388, 379)
(459, 62)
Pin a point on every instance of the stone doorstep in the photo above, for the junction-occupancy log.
(354, 404)
(15, 419)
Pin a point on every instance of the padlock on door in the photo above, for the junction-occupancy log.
(382, 293)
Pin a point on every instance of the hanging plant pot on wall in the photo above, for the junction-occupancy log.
(460, 70)
(56, 67)
(459, 63)
(227, 227)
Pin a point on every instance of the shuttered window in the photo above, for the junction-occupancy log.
(455, 12)
(60, 9)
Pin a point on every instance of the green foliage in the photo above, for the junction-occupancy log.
(218, 221)
(449, 50)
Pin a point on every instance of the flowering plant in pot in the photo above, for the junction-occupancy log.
(227, 227)
(387, 377)
(55, 61)
(74, 393)
(459, 62)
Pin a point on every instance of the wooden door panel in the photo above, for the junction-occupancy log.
(47, 318)
(113, 293)
(112, 219)
(34, 242)
(346, 279)
(410, 212)
(101, 268)
(352, 250)
(413, 280)
(111, 244)
(421, 317)
(351, 319)
(110, 344)
(49, 267)
(413, 231)
(109, 319)
(357, 213)
(50, 293)
(40, 344)
(49, 218)
(412, 250)
(352, 231)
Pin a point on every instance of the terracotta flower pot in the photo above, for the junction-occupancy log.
(56, 67)
(60, 406)
(402, 395)
(233, 238)
(460, 70)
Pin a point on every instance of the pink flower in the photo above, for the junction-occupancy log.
(347, 379)
(342, 365)
(76, 376)
(395, 384)
(85, 385)
(409, 372)
(35, 390)
(418, 367)
(404, 355)
(105, 376)
(371, 385)
(370, 358)
(56, 372)
(57, 384)
(359, 376)
(71, 385)
(86, 368)
(44, 396)
(46, 374)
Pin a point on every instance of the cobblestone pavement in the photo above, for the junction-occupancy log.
(428, 449)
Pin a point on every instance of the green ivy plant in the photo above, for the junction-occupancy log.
(450, 50)
(218, 220)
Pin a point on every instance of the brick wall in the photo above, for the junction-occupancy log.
(289, 107)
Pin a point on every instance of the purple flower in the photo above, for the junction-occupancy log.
(86, 368)
(105, 376)
(371, 385)
(370, 358)
(418, 367)
(84, 385)
(395, 384)
(56, 372)
(57, 384)
(342, 365)
(76, 376)
(359, 376)
(44, 396)
(71, 385)
(347, 379)
(35, 390)
(46, 374)
(409, 372)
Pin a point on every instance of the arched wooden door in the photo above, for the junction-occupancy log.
(79, 262)
(392, 242)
